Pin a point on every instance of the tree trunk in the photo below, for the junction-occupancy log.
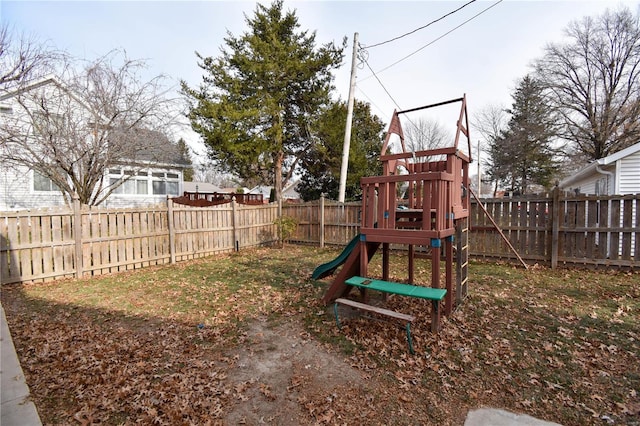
(277, 184)
(279, 158)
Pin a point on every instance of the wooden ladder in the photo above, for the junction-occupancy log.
(462, 259)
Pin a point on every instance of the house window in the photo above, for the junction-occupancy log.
(161, 187)
(49, 124)
(141, 182)
(43, 183)
(165, 183)
(133, 185)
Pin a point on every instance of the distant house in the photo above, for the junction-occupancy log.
(289, 192)
(201, 187)
(617, 174)
(155, 173)
(235, 190)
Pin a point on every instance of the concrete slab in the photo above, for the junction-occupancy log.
(495, 417)
(16, 409)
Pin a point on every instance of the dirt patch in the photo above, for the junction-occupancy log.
(282, 376)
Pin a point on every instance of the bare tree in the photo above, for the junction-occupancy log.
(207, 172)
(23, 58)
(594, 82)
(73, 129)
(425, 134)
(490, 122)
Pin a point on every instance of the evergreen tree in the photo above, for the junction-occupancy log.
(324, 160)
(258, 98)
(523, 155)
(184, 151)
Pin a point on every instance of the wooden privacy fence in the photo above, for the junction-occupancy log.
(597, 231)
(324, 222)
(590, 231)
(44, 245)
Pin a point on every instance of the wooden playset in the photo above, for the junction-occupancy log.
(433, 214)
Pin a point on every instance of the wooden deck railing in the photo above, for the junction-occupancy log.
(208, 199)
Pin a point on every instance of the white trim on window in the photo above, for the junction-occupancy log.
(145, 182)
(42, 183)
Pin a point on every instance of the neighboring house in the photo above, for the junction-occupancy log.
(234, 190)
(147, 180)
(261, 189)
(617, 174)
(289, 192)
(203, 187)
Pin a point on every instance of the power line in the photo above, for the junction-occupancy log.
(433, 41)
(382, 85)
(363, 53)
(420, 28)
(389, 94)
(370, 101)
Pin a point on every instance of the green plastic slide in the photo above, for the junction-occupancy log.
(327, 268)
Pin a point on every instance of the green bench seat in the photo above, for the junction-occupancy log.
(434, 294)
(401, 289)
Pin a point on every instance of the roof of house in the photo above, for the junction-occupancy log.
(593, 166)
(33, 84)
(201, 187)
(233, 189)
(157, 148)
(39, 82)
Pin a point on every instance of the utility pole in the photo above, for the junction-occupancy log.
(347, 127)
(479, 180)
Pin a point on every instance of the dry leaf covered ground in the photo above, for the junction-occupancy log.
(243, 339)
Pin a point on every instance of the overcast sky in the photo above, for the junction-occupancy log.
(483, 58)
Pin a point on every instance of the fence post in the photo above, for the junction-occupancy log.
(234, 221)
(322, 221)
(172, 231)
(280, 224)
(555, 226)
(77, 236)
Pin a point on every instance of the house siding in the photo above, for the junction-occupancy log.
(622, 172)
(16, 191)
(629, 174)
(586, 186)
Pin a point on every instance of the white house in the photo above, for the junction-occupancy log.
(289, 192)
(138, 181)
(617, 174)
